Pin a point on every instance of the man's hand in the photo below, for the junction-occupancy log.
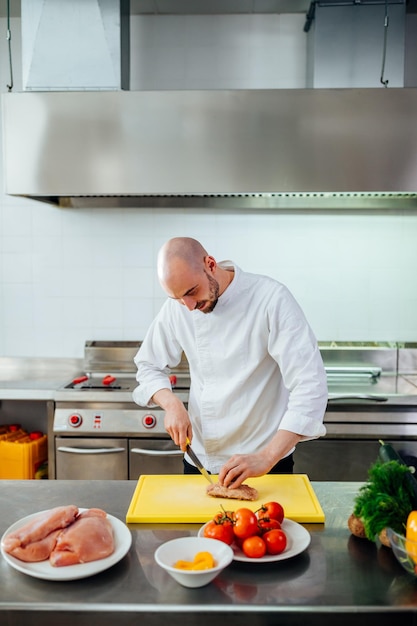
(241, 466)
(176, 421)
(177, 424)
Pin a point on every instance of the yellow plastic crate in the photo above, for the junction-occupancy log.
(22, 458)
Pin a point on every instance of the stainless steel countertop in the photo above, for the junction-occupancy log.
(337, 579)
(390, 389)
(45, 378)
(35, 378)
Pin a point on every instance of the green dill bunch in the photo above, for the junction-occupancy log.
(385, 500)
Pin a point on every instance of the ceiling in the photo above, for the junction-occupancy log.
(212, 7)
(200, 7)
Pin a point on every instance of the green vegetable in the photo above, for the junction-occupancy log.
(387, 453)
(385, 500)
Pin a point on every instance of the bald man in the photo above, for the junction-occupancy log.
(258, 385)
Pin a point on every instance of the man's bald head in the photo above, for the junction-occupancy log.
(180, 252)
(190, 275)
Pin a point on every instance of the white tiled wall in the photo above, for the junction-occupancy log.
(71, 275)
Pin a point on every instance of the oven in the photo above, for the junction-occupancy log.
(352, 442)
(100, 433)
(371, 399)
(116, 443)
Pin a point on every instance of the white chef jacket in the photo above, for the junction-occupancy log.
(255, 367)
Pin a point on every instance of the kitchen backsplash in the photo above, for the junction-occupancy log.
(71, 275)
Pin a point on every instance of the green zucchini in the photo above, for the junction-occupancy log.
(387, 453)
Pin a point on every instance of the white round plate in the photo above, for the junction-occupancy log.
(43, 569)
(298, 539)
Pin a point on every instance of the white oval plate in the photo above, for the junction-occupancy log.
(298, 539)
(43, 569)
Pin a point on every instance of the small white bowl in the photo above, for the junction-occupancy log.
(185, 549)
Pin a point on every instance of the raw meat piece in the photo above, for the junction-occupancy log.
(89, 538)
(37, 550)
(243, 492)
(40, 527)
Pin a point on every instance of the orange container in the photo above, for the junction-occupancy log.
(21, 457)
(12, 435)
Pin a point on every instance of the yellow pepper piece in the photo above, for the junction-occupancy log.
(411, 535)
(202, 560)
(183, 564)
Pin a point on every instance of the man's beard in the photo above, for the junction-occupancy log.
(213, 295)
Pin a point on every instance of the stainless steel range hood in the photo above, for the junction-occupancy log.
(264, 149)
(75, 139)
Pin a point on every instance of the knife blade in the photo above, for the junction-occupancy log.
(198, 463)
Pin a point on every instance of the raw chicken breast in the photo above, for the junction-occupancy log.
(37, 550)
(89, 538)
(40, 527)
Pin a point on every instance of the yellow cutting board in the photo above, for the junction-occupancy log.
(164, 498)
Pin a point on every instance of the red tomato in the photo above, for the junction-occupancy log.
(254, 547)
(224, 517)
(246, 523)
(223, 532)
(273, 510)
(266, 523)
(275, 540)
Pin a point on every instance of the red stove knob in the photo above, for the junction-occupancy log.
(108, 380)
(79, 380)
(149, 421)
(75, 420)
(173, 380)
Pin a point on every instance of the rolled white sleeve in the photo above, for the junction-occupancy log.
(294, 347)
(158, 353)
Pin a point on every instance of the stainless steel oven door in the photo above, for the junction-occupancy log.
(154, 456)
(351, 444)
(91, 458)
(345, 459)
(336, 459)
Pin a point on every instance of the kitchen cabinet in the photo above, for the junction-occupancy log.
(30, 414)
(338, 579)
(27, 390)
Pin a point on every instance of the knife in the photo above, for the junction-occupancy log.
(197, 461)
